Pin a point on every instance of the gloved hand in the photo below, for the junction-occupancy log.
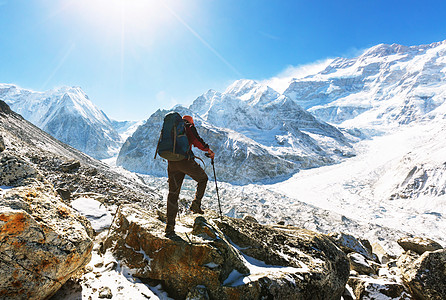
(211, 154)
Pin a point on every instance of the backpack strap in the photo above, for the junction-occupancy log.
(158, 144)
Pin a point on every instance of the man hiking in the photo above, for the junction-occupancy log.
(176, 171)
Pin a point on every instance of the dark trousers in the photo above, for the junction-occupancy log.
(176, 171)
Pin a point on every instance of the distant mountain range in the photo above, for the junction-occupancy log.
(68, 114)
(258, 133)
(386, 86)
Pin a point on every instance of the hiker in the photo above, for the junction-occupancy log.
(176, 171)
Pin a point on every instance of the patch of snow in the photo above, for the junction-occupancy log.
(257, 269)
(211, 265)
(108, 272)
(4, 189)
(94, 211)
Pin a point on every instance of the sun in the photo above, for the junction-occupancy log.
(131, 16)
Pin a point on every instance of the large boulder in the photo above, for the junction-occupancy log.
(425, 275)
(419, 244)
(43, 242)
(231, 258)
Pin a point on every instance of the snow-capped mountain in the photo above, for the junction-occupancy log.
(125, 128)
(257, 133)
(67, 114)
(386, 86)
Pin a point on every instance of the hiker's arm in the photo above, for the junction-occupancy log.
(197, 141)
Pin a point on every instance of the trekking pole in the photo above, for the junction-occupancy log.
(216, 186)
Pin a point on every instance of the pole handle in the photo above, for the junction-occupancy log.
(208, 156)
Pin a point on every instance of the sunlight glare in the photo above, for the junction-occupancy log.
(136, 16)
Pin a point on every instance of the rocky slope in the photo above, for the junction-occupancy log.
(259, 136)
(246, 259)
(43, 242)
(228, 258)
(67, 114)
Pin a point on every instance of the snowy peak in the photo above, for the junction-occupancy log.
(387, 86)
(67, 114)
(252, 92)
(259, 135)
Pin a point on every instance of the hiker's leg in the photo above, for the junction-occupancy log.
(199, 175)
(176, 178)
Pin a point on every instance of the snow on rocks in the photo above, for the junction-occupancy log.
(231, 258)
(94, 211)
(360, 264)
(369, 288)
(349, 243)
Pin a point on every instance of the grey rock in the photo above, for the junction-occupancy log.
(64, 194)
(425, 275)
(381, 254)
(349, 243)
(2, 144)
(16, 171)
(70, 166)
(198, 293)
(418, 244)
(369, 288)
(360, 264)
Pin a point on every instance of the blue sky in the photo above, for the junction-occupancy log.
(134, 56)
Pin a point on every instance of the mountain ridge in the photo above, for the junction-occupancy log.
(69, 115)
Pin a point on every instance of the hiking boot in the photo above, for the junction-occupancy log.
(196, 209)
(170, 231)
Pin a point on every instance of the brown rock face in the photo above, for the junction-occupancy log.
(425, 275)
(42, 240)
(419, 244)
(230, 258)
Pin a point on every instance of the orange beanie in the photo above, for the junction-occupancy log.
(189, 119)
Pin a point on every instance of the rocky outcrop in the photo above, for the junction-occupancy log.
(360, 264)
(419, 244)
(42, 241)
(231, 258)
(425, 275)
(368, 288)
